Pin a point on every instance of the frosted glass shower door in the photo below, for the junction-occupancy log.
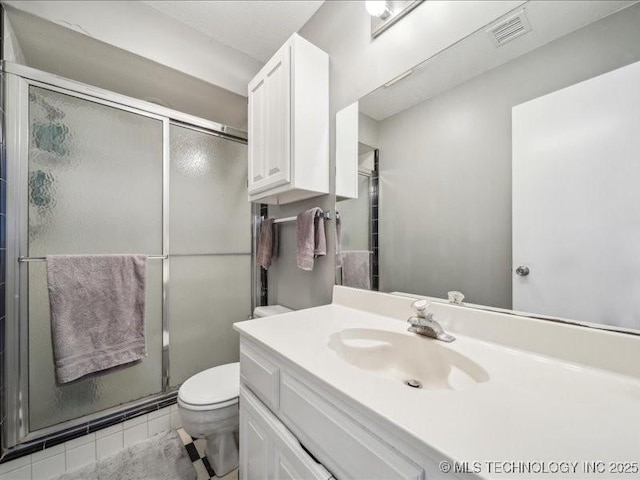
(210, 250)
(94, 187)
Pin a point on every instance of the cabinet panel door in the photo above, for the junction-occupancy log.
(257, 129)
(279, 119)
(284, 470)
(270, 124)
(292, 463)
(255, 446)
(284, 457)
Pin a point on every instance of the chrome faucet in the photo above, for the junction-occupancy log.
(423, 323)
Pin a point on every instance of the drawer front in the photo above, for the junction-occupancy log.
(340, 443)
(287, 459)
(261, 375)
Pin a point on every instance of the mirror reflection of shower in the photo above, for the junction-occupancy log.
(357, 262)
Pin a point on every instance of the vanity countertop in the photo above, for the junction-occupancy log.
(533, 408)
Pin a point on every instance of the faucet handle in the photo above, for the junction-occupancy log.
(455, 297)
(420, 306)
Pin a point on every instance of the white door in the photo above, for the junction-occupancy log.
(576, 201)
(269, 124)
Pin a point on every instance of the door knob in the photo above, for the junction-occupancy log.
(522, 270)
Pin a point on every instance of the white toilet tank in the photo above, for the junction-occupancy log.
(268, 310)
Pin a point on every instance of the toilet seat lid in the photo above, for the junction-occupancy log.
(212, 386)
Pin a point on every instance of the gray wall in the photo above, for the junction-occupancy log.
(445, 166)
(288, 285)
(367, 130)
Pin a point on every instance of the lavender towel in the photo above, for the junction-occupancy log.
(268, 243)
(310, 236)
(338, 231)
(97, 312)
(356, 272)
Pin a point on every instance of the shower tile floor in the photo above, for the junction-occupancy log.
(195, 449)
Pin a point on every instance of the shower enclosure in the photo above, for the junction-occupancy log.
(359, 219)
(92, 172)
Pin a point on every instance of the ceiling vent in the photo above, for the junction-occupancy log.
(509, 29)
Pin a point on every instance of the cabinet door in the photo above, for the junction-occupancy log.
(255, 446)
(270, 124)
(268, 450)
(291, 464)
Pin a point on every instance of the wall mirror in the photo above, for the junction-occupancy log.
(507, 168)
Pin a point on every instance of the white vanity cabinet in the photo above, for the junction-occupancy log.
(331, 376)
(281, 410)
(289, 125)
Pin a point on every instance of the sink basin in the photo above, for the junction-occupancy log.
(407, 358)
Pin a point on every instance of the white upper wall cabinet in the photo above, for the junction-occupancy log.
(347, 152)
(289, 125)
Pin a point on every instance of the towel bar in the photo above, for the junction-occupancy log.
(326, 215)
(42, 259)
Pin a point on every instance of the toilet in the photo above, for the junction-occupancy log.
(208, 406)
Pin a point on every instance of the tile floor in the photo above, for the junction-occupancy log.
(195, 449)
(62, 458)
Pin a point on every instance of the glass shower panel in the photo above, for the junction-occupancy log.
(95, 186)
(208, 294)
(210, 248)
(50, 403)
(209, 209)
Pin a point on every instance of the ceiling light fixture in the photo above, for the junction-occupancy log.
(384, 14)
(378, 8)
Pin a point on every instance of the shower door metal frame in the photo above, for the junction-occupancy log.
(18, 80)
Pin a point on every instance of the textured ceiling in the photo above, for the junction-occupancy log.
(256, 28)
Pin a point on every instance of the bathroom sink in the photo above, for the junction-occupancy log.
(418, 362)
